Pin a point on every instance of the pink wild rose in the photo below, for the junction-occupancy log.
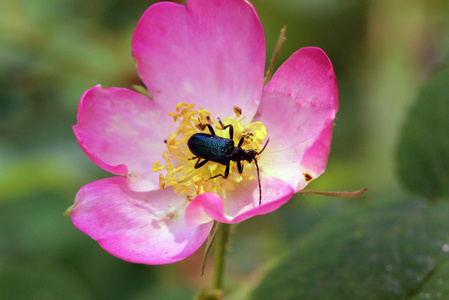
(199, 63)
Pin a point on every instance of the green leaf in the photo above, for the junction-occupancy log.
(437, 287)
(375, 250)
(423, 152)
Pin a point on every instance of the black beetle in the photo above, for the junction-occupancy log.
(211, 147)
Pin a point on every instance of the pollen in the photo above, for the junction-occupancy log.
(177, 166)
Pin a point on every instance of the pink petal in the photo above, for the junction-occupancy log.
(243, 202)
(211, 52)
(146, 228)
(195, 214)
(123, 132)
(315, 159)
(298, 108)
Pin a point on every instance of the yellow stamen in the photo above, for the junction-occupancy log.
(161, 181)
(157, 167)
(180, 162)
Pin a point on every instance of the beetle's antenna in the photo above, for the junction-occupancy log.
(258, 179)
(258, 176)
(264, 147)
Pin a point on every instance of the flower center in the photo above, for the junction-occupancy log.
(180, 172)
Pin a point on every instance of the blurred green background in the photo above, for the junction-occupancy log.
(392, 243)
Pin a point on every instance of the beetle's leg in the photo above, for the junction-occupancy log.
(203, 126)
(210, 129)
(231, 128)
(243, 138)
(200, 164)
(225, 175)
(227, 170)
(241, 141)
(239, 167)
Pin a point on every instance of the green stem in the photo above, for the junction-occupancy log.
(221, 244)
